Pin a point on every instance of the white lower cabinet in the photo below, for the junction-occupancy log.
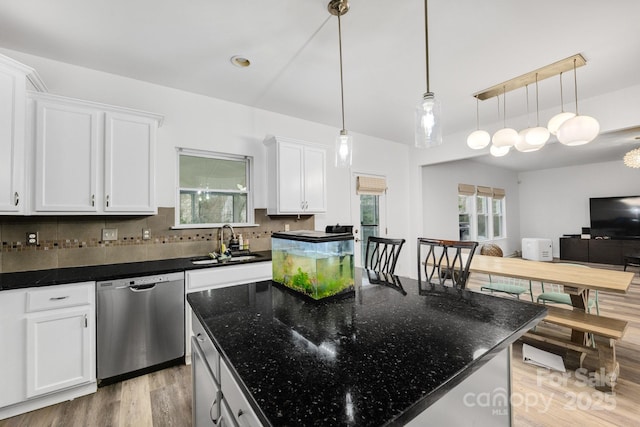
(58, 350)
(217, 397)
(51, 334)
(241, 411)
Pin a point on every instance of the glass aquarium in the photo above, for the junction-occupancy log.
(314, 263)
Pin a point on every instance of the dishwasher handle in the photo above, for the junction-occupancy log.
(138, 288)
(142, 288)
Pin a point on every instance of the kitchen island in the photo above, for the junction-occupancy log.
(387, 355)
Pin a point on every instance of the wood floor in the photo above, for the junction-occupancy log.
(161, 398)
(539, 397)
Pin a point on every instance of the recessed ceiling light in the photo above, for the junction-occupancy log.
(240, 61)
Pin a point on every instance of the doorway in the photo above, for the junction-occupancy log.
(368, 215)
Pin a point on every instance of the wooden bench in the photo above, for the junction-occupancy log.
(591, 334)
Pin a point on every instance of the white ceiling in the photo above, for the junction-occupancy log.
(293, 48)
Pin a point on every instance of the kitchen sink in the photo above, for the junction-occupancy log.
(234, 258)
(204, 261)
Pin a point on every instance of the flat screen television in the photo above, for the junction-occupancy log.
(615, 217)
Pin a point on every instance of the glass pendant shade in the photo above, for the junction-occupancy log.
(537, 136)
(556, 121)
(428, 122)
(578, 130)
(499, 151)
(523, 145)
(505, 137)
(344, 149)
(478, 139)
(632, 158)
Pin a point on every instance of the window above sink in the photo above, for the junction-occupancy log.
(213, 189)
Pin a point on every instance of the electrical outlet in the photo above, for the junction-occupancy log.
(32, 238)
(109, 234)
(146, 234)
(286, 227)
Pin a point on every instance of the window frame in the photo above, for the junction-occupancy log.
(488, 213)
(250, 220)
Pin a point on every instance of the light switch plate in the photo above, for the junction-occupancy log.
(109, 234)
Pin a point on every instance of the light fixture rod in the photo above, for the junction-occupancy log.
(545, 72)
(426, 43)
(341, 80)
(561, 96)
(575, 84)
(537, 106)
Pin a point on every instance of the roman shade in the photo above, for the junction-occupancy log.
(498, 193)
(466, 189)
(371, 185)
(485, 191)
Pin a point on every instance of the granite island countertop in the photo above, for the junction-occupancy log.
(378, 357)
(58, 276)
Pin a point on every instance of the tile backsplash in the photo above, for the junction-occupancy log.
(71, 241)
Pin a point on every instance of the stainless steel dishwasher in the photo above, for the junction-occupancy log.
(140, 325)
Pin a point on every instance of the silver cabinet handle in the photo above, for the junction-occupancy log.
(215, 405)
(200, 337)
(86, 321)
(16, 198)
(107, 200)
(58, 298)
(241, 419)
(93, 200)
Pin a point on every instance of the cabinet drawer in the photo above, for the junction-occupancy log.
(61, 296)
(235, 398)
(210, 353)
(219, 277)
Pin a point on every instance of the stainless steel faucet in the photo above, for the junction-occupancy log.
(222, 235)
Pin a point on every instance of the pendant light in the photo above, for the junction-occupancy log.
(556, 121)
(428, 120)
(632, 158)
(478, 139)
(344, 141)
(505, 137)
(533, 138)
(578, 130)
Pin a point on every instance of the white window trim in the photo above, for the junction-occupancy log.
(214, 155)
(473, 235)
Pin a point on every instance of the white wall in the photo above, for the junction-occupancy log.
(440, 199)
(554, 202)
(201, 122)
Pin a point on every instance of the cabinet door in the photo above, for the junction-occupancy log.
(129, 163)
(12, 112)
(290, 178)
(241, 410)
(315, 180)
(12, 346)
(66, 157)
(206, 393)
(58, 350)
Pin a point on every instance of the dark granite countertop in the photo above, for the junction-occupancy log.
(378, 357)
(58, 276)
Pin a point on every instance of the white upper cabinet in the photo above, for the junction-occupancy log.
(66, 148)
(129, 172)
(12, 141)
(296, 173)
(91, 158)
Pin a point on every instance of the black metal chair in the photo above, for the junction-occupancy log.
(382, 254)
(444, 262)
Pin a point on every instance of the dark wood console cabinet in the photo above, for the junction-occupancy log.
(601, 251)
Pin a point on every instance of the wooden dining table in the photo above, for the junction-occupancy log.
(576, 280)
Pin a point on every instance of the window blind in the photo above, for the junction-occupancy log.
(498, 193)
(466, 189)
(485, 191)
(371, 185)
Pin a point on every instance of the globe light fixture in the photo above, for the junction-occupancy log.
(556, 121)
(478, 139)
(499, 151)
(632, 159)
(505, 137)
(578, 130)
